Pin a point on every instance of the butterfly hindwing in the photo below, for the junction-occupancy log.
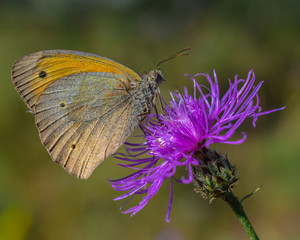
(82, 123)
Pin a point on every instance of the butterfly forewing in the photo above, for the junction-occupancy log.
(33, 73)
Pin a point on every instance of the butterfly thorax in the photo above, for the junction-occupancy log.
(146, 93)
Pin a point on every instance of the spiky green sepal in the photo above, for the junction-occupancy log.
(214, 176)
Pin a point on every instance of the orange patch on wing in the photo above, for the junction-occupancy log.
(59, 65)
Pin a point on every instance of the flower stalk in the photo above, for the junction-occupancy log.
(237, 207)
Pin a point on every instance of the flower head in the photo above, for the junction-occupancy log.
(190, 122)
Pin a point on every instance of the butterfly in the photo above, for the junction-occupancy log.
(85, 106)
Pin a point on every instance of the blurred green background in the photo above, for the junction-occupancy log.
(39, 200)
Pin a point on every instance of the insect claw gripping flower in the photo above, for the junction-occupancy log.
(189, 124)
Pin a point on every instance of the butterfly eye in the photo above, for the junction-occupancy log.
(158, 76)
(159, 79)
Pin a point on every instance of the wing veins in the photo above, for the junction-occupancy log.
(83, 167)
(60, 137)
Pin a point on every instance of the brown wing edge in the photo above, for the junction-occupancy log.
(24, 65)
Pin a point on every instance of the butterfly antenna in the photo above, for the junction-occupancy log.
(180, 53)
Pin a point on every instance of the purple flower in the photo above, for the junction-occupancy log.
(189, 123)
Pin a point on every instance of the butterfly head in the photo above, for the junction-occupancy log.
(156, 75)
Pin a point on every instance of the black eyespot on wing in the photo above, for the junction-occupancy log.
(42, 74)
(62, 105)
(73, 146)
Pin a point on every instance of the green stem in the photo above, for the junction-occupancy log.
(239, 211)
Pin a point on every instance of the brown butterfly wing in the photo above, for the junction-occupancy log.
(82, 117)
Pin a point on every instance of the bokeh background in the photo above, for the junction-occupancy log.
(39, 200)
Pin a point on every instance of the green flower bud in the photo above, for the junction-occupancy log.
(214, 176)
